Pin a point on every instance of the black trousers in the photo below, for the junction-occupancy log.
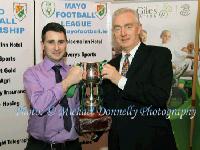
(34, 144)
(140, 137)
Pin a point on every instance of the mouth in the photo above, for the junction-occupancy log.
(56, 53)
(125, 40)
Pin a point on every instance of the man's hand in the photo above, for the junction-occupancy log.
(74, 76)
(110, 72)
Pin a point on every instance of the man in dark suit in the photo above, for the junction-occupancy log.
(136, 88)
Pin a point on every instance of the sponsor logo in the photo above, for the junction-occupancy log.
(20, 10)
(185, 10)
(165, 11)
(163, 14)
(48, 8)
(147, 12)
(155, 12)
(101, 10)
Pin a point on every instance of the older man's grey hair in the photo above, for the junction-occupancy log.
(124, 10)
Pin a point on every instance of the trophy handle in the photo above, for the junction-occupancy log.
(70, 92)
(101, 64)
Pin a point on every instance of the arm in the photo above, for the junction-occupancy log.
(43, 99)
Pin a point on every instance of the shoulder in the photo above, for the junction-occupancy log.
(159, 51)
(33, 69)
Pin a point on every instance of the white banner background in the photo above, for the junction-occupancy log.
(78, 28)
(179, 17)
(16, 54)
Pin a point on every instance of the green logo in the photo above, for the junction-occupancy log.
(101, 10)
(48, 8)
(20, 10)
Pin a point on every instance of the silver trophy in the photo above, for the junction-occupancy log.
(90, 118)
(90, 100)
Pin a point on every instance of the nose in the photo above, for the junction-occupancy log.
(123, 31)
(56, 46)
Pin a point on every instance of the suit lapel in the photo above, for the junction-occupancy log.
(139, 59)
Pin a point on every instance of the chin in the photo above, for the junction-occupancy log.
(125, 47)
(56, 59)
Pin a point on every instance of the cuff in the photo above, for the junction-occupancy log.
(122, 82)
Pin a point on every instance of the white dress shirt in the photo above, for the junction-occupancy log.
(123, 79)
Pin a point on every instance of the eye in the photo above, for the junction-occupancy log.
(116, 29)
(50, 42)
(61, 42)
(129, 26)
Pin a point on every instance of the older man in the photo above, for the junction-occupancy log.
(141, 78)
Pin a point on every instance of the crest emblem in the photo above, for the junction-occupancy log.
(185, 10)
(48, 8)
(20, 10)
(101, 10)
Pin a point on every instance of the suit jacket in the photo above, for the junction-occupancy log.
(149, 80)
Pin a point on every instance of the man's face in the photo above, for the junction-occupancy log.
(126, 30)
(190, 47)
(166, 36)
(54, 45)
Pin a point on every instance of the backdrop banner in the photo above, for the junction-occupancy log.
(16, 54)
(87, 26)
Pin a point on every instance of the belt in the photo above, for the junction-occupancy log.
(53, 146)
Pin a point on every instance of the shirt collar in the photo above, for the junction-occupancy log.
(48, 64)
(132, 52)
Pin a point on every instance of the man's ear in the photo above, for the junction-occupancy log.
(41, 45)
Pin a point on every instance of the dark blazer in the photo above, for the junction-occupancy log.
(149, 80)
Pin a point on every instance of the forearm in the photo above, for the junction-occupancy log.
(44, 99)
(65, 85)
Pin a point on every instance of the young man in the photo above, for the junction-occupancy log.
(137, 84)
(50, 126)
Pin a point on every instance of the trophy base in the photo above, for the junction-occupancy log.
(90, 116)
(88, 125)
